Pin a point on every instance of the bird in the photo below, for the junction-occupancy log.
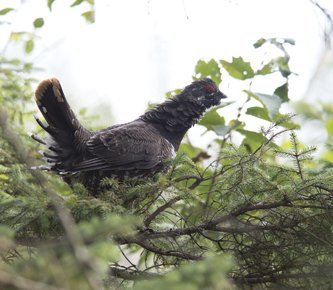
(134, 149)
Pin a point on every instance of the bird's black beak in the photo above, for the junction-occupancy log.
(218, 96)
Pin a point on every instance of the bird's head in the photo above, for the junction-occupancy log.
(204, 92)
(181, 112)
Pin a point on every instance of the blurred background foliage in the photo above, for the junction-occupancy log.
(253, 210)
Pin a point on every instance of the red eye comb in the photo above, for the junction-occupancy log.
(210, 88)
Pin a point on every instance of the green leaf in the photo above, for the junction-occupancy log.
(259, 112)
(50, 3)
(282, 63)
(268, 68)
(209, 69)
(76, 3)
(236, 124)
(329, 126)
(221, 130)
(39, 22)
(5, 11)
(238, 68)
(89, 16)
(280, 41)
(189, 149)
(271, 102)
(29, 46)
(289, 40)
(252, 140)
(211, 119)
(259, 42)
(276, 41)
(169, 94)
(282, 92)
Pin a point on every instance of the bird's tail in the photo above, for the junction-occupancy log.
(66, 132)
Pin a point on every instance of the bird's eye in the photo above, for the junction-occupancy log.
(210, 88)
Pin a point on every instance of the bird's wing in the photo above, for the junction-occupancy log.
(126, 147)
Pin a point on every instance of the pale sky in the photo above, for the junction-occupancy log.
(138, 49)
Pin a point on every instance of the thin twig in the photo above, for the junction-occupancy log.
(159, 210)
(133, 275)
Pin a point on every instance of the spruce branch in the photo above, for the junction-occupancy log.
(159, 210)
(211, 225)
(296, 154)
(81, 254)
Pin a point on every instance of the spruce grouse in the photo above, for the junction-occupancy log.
(137, 148)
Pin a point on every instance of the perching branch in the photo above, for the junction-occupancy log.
(159, 210)
(211, 225)
(132, 275)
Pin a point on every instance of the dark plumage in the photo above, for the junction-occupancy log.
(137, 148)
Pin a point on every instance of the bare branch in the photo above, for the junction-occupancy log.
(261, 205)
(133, 275)
(172, 253)
(152, 216)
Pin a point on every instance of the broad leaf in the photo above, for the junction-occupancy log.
(259, 112)
(49, 3)
(170, 94)
(29, 46)
(211, 119)
(271, 102)
(252, 140)
(268, 68)
(282, 63)
(280, 41)
(189, 149)
(259, 42)
(221, 130)
(289, 40)
(238, 68)
(209, 69)
(89, 16)
(39, 22)
(282, 92)
(5, 11)
(76, 2)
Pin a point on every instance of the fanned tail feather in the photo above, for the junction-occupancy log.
(67, 135)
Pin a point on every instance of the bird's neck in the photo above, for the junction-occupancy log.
(173, 118)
